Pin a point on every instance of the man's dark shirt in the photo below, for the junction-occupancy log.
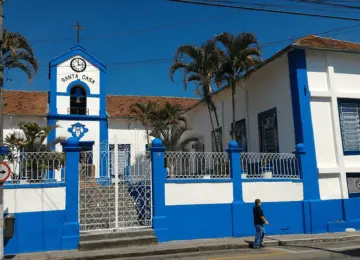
(258, 213)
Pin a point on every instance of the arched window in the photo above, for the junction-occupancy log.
(78, 101)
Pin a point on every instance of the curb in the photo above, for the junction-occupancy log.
(88, 255)
(318, 240)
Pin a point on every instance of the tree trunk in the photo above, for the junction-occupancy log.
(213, 127)
(147, 136)
(213, 108)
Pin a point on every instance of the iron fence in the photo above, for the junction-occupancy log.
(197, 165)
(36, 167)
(270, 165)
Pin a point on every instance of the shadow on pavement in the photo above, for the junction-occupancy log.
(354, 252)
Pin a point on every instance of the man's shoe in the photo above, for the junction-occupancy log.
(262, 245)
(256, 247)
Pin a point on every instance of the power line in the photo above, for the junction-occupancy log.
(150, 29)
(306, 7)
(266, 10)
(165, 60)
(333, 4)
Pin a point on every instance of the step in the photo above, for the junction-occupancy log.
(115, 234)
(117, 242)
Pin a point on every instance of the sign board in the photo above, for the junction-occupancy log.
(4, 172)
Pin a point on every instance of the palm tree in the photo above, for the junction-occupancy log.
(143, 113)
(174, 137)
(166, 115)
(16, 53)
(199, 65)
(31, 138)
(241, 54)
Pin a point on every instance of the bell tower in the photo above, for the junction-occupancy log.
(77, 98)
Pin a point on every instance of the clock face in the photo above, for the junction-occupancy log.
(78, 64)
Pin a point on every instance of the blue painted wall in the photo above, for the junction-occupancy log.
(199, 221)
(36, 232)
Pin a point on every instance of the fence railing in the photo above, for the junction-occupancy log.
(196, 165)
(115, 165)
(270, 165)
(36, 167)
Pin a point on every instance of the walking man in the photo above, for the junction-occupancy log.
(259, 221)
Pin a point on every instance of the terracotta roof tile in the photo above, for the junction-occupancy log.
(315, 41)
(36, 103)
(25, 103)
(120, 105)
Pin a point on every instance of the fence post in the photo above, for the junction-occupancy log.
(300, 151)
(71, 232)
(235, 173)
(159, 221)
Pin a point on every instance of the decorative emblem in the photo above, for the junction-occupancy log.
(78, 130)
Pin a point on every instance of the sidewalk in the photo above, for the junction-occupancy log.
(190, 246)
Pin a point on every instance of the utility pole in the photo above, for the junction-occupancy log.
(1, 131)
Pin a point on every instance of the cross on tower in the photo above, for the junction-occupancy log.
(78, 28)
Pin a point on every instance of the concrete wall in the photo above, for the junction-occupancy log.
(272, 191)
(39, 213)
(265, 89)
(332, 75)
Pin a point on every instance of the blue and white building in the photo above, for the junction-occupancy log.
(304, 99)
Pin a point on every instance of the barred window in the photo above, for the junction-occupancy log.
(240, 134)
(268, 131)
(349, 112)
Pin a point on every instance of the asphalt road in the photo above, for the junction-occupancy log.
(327, 251)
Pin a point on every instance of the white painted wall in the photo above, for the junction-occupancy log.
(272, 191)
(135, 136)
(332, 75)
(198, 193)
(11, 123)
(267, 88)
(42, 199)
(91, 77)
(330, 187)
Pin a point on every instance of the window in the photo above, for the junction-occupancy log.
(218, 133)
(268, 131)
(78, 101)
(240, 134)
(349, 113)
(353, 182)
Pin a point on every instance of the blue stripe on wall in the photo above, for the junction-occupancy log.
(36, 232)
(303, 128)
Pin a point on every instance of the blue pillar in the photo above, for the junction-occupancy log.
(71, 231)
(238, 202)
(159, 221)
(303, 128)
(104, 150)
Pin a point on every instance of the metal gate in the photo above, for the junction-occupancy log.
(115, 189)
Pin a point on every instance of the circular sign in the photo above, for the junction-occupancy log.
(4, 172)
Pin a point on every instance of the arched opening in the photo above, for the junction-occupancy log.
(78, 101)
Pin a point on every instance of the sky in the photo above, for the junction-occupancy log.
(124, 33)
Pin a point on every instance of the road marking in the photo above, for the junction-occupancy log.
(249, 256)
